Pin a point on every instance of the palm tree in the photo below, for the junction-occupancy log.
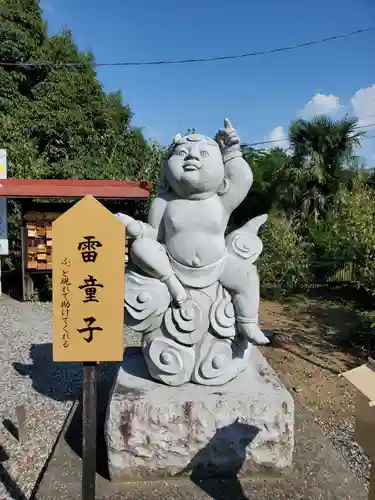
(322, 161)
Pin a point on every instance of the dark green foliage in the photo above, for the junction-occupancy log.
(321, 202)
(284, 263)
(322, 162)
(266, 166)
(57, 122)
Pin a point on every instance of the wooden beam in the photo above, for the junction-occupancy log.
(57, 188)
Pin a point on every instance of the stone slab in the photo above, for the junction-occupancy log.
(318, 472)
(155, 431)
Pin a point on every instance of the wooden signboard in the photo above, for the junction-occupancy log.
(88, 284)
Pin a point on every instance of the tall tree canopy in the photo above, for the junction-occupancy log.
(322, 162)
(56, 121)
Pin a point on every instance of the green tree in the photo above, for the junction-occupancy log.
(266, 166)
(56, 121)
(322, 163)
(81, 131)
(22, 35)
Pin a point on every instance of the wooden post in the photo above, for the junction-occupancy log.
(21, 424)
(89, 431)
(23, 261)
(27, 281)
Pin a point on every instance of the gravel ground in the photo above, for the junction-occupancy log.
(343, 440)
(341, 435)
(29, 377)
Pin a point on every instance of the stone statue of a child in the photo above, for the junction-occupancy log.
(184, 245)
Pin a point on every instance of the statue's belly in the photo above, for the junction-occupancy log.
(196, 249)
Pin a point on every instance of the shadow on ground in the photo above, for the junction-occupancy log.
(9, 484)
(106, 373)
(12, 284)
(63, 382)
(11, 428)
(220, 449)
(58, 381)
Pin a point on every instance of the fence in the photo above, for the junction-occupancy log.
(333, 272)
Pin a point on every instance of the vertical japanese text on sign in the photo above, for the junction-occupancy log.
(88, 247)
(65, 303)
(90, 329)
(90, 287)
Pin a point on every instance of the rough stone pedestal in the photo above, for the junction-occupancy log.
(155, 431)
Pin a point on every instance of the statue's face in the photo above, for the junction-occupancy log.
(195, 166)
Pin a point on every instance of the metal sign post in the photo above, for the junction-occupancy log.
(88, 305)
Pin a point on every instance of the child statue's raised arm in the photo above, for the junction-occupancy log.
(239, 177)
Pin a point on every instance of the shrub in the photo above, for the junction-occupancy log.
(347, 236)
(284, 262)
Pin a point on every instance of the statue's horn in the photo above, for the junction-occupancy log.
(176, 138)
(254, 224)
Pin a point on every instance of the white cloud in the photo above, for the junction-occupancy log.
(363, 105)
(320, 104)
(152, 134)
(278, 134)
(46, 6)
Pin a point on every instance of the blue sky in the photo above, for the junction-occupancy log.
(260, 95)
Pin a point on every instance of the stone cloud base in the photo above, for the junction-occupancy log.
(155, 431)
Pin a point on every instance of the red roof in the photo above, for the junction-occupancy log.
(53, 188)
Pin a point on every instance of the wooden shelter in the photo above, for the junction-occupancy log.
(38, 213)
